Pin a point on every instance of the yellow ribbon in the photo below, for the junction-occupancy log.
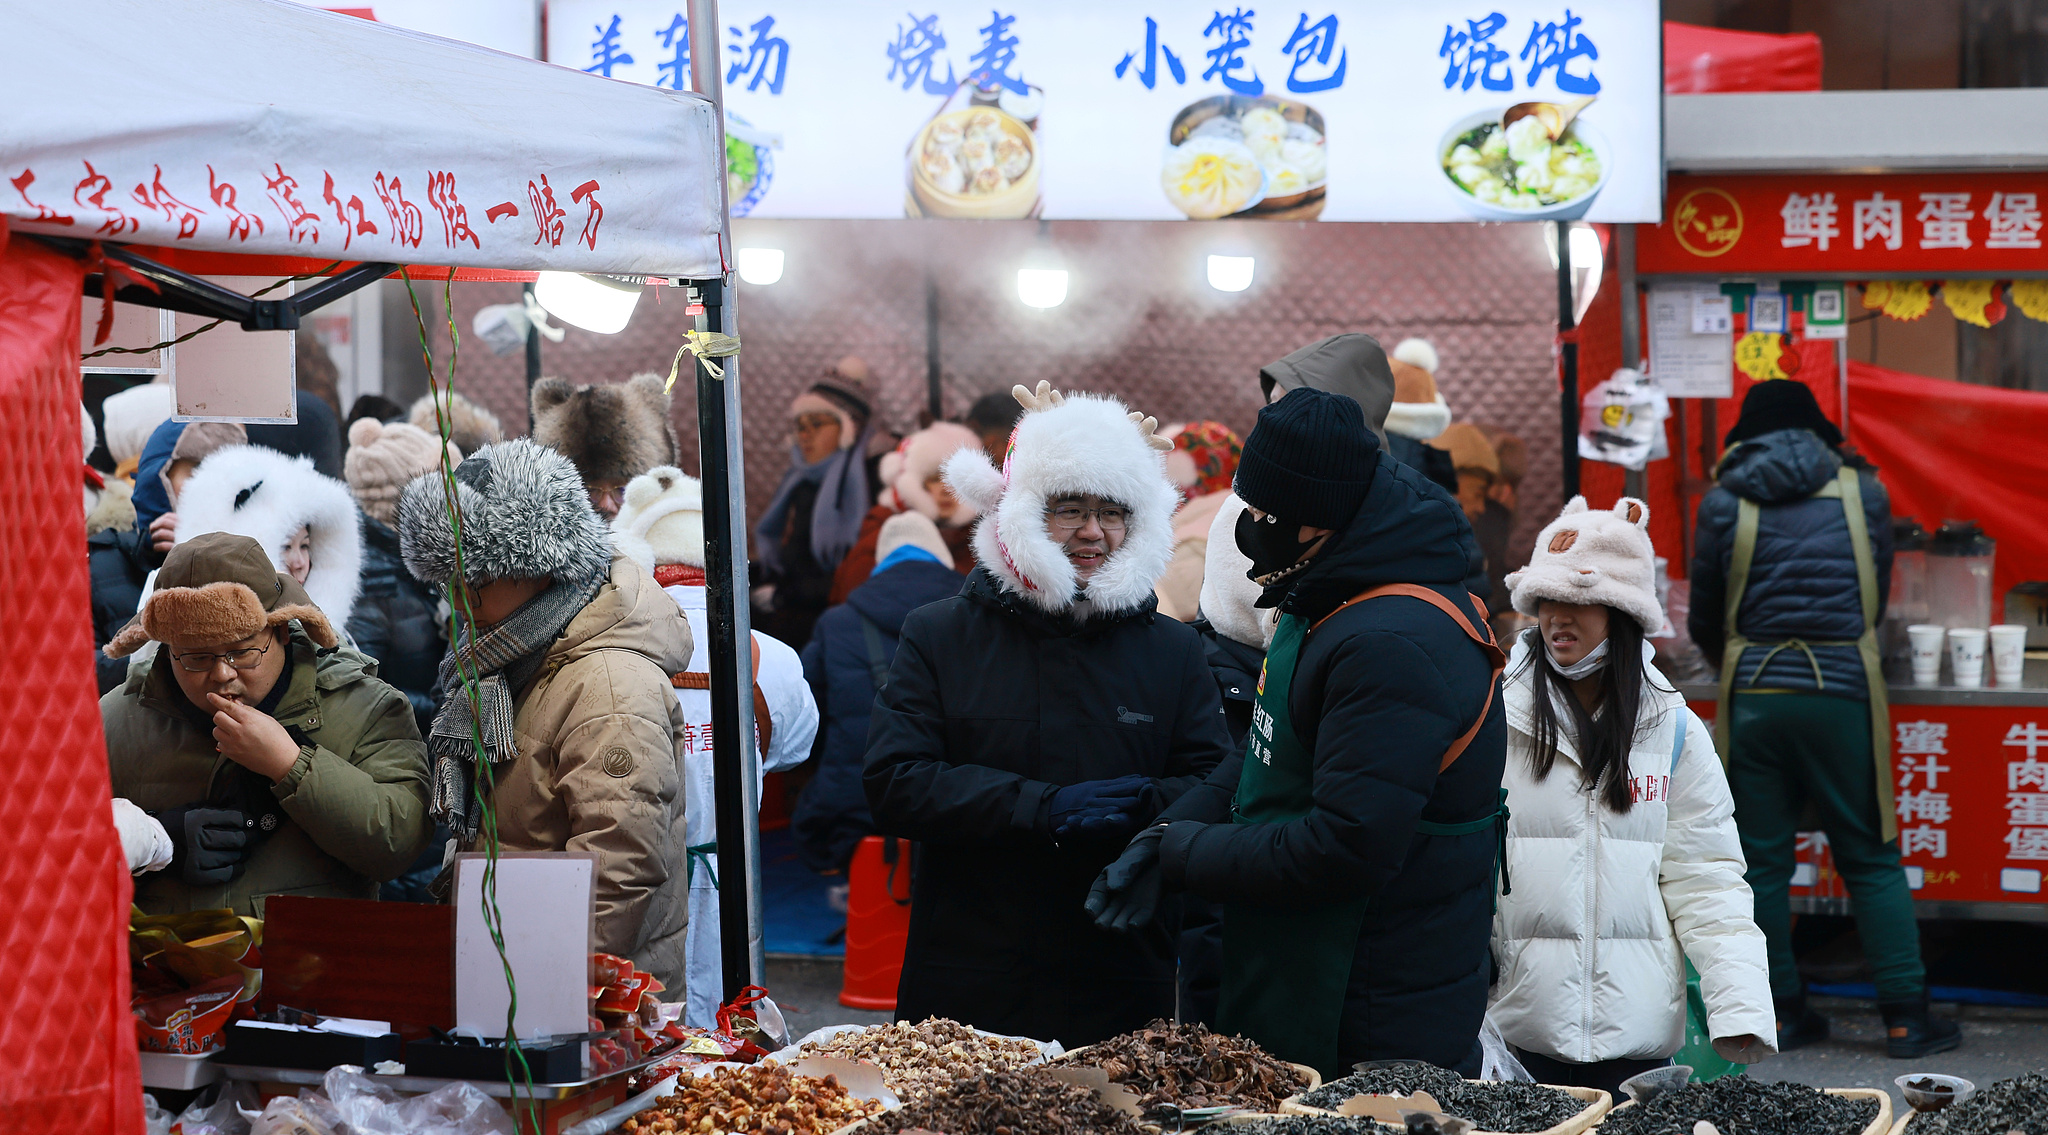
(705, 345)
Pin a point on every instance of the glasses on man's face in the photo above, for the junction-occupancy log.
(1112, 517)
(200, 662)
(602, 495)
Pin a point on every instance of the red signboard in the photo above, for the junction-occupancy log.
(1970, 783)
(1850, 225)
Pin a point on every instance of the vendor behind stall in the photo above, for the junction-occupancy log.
(273, 762)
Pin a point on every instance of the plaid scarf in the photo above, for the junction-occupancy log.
(503, 659)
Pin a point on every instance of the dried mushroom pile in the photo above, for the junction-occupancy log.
(761, 1099)
(918, 1059)
(1188, 1066)
(1738, 1105)
(1022, 1101)
(1491, 1106)
(2018, 1104)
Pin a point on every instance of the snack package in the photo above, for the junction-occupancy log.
(188, 1021)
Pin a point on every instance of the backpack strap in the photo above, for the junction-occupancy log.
(764, 727)
(1484, 638)
(878, 654)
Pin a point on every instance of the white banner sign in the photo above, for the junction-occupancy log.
(1347, 110)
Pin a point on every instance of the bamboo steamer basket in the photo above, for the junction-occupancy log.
(1881, 1125)
(1597, 1102)
(1012, 203)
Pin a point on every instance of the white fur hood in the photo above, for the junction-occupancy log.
(1229, 597)
(265, 495)
(1087, 443)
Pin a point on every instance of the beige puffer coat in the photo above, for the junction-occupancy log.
(599, 767)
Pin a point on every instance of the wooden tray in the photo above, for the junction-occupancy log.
(1598, 1103)
(1882, 1125)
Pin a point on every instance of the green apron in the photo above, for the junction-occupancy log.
(1286, 968)
(1846, 487)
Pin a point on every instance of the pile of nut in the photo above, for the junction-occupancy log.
(1189, 1066)
(760, 1099)
(917, 1059)
(1021, 1101)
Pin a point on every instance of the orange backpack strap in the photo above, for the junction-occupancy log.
(1481, 634)
(700, 680)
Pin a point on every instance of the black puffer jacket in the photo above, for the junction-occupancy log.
(1380, 692)
(1802, 579)
(991, 705)
(114, 559)
(394, 622)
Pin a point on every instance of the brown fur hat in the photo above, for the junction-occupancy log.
(470, 426)
(219, 588)
(611, 431)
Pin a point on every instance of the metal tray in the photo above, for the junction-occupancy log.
(423, 1084)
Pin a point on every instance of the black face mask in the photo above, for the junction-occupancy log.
(1275, 549)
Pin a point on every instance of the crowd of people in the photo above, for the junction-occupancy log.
(1261, 730)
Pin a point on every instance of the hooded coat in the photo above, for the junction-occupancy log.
(266, 495)
(1802, 581)
(1380, 692)
(1020, 685)
(396, 621)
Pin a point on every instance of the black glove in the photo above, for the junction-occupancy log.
(1126, 895)
(1102, 809)
(208, 844)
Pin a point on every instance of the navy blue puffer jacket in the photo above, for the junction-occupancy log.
(1802, 578)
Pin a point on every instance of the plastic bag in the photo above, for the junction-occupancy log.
(309, 1114)
(370, 1108)
(223, 1116)
(1497, 1060)
(1622, 421)
(155, 1120)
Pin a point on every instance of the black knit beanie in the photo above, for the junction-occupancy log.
(1309, 460)
(1781, 404)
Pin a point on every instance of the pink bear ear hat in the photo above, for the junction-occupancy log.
(1587, 556)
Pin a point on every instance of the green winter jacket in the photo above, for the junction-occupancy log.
(355, 804)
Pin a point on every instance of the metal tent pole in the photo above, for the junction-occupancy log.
(935, 394)
(532, 356)
(1635, 482)
(1568, 351)
(722, 461)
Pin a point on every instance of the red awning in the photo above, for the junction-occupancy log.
(1701, 60)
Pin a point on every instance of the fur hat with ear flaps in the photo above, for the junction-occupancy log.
(219, 588)
(611, 431)
(258, 492)
(1587, 556)
(662, 519)
(524, 516)
(1088, 443)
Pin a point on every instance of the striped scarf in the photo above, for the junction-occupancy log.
(502, 659)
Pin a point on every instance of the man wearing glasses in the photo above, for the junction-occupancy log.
(1030, 725)
(273, 761)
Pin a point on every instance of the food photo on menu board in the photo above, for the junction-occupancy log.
(1328, 110)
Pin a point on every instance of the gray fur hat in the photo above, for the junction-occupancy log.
(612, 431)
(524, 515)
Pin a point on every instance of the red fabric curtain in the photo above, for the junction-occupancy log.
(1949, 450)
(67, 1041)
(1700, 60)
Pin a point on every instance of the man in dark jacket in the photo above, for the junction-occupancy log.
(1353, 845)
(1791, 568)
(846, 663)
(1033, 722)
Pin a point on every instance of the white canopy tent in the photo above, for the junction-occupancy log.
(258, 126)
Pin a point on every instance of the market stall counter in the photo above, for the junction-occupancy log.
(1970, 780)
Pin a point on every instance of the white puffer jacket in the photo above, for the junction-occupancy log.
(1589, 944)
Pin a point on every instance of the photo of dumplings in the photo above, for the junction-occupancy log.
(976, 161)
(1207, 178)
(1260, 156)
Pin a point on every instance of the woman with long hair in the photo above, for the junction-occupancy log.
(1622, 851)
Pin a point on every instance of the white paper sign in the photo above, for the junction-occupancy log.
(1767, 312)
(1685, 362)
(1343, 110)
(1712, 313)
(544, 900)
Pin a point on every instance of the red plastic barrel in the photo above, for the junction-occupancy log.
(877, 923)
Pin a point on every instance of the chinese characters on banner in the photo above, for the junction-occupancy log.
(1933, 223)
(830, 104)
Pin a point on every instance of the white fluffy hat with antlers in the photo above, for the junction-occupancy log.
(1064, 446)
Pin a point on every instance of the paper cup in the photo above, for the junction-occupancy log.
(1925, 642)
(2008, 653)
(1966, 655)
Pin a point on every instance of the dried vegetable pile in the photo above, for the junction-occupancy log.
(1738, 1105)
(1311, 1125)
(1491, 1106)
(2018, 1104)
(760, 1099)
(917, 1059)
(1188, 1066)
(1021, 1101)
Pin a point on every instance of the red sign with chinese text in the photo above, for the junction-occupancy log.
(1849, 224)
(1970, 784)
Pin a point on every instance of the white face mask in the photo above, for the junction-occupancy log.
(1590, 664)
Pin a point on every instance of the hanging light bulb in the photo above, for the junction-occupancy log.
(759, 266)
(1042, 287)
(1587, 262)
(1231, 273)
(602, 304)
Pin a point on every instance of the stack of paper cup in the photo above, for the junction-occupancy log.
(1966, 655)
(2008, 653)
(1925, 641)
